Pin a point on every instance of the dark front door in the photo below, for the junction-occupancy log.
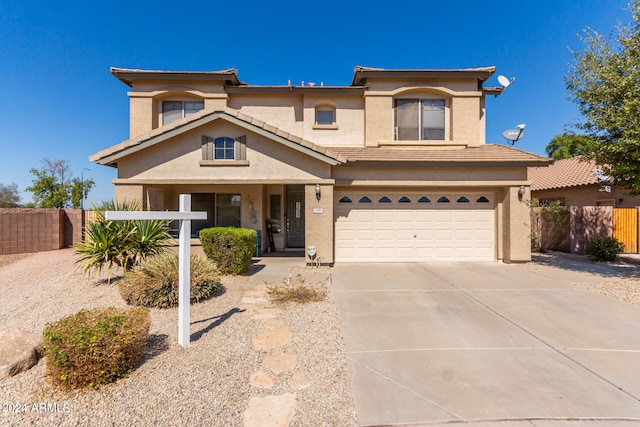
(295, 216)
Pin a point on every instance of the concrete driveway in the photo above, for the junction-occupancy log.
(486, 344)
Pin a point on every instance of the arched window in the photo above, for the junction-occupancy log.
(443, 199)
(384, 199)
(325, 114)
(482, 199)
(364, 199)
(462, 199)
(404, 199)
(345, 199)
(424, 199)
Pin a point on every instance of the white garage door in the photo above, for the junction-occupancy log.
(395, 227)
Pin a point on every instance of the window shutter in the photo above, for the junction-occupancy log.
(241, 147)
(207, 148)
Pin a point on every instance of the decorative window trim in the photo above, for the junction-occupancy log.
(421, 104)
(209, 152)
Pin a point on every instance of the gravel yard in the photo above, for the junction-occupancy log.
(206, 384)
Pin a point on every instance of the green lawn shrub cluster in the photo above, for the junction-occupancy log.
(604, 249)
(231, 249)
(95, 347)
(155, 283)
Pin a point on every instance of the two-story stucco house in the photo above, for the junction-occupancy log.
(393, 167)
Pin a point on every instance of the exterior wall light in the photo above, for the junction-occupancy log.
(521, 192)
(318, 195)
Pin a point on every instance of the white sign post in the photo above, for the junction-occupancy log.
(184, 255)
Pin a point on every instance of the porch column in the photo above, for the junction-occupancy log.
(319, 221)
(516, 225)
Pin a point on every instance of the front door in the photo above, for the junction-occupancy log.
(295, 216)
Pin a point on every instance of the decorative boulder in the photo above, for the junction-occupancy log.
(19, 351)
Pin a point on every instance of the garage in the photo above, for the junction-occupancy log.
(410, 227)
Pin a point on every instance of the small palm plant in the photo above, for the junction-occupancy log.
(120, 243)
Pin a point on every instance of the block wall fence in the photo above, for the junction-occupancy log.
(33, 230)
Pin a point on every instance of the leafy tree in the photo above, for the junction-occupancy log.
(567, 145)
(604, 81)
(9, 197)
(53, 187)
(120, 243)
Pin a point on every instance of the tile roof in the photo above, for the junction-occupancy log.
(573, 172)
(109, 155)
(488, 153)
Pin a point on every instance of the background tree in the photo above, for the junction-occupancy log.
(604, 81)
(9, 197)
(53, 187)
(567, 145)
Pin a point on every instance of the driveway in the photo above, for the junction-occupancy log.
(486, 344)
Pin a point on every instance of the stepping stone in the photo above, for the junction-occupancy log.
(19, 351)
(272, 339)
(268, 313)
(254, 300)
(269, 324)
(280, 362)
(261, 379)
(300, 381)
(256, 293)
(270, 411)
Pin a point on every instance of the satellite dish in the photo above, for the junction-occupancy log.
(514, 135)
(600, 175)
(505, 82)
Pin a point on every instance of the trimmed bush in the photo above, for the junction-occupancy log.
(155, 284)
(95, 347)
(230, 248)
(604, 249)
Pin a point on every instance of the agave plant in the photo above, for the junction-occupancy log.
(121, 243)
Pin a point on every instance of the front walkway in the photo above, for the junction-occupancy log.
(486, 344)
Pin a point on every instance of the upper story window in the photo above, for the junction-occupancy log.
(419, 119)
(325, 115)
(224, 149)
(175, 110)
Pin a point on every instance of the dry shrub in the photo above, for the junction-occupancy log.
(296, 291)
(156, 283)
(95, 347)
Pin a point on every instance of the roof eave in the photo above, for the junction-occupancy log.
(362, 73)
(127, 75)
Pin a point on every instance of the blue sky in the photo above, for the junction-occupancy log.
(58, 100)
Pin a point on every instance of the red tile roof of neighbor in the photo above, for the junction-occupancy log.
(573, 172)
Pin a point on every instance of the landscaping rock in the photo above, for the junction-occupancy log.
(19, 351)
(270, 411)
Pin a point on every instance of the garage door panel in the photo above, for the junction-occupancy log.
(397, 232)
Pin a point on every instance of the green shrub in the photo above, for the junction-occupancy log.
(95, 347)
(121, 243)
(155, 284)
(230, 248)
(604, 249)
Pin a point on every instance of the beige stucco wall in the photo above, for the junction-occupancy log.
(516, 226)
(282, 111)
(319, 222)
(429, 175)
(179, 159)
(349, 117)
(590, 196)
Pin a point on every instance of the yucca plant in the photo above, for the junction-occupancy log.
(121, 243)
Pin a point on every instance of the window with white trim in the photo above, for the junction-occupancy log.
(175, 110)
(419, 119)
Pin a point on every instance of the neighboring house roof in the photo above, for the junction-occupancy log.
(110, 156)
(483, 154)
(565, 173)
